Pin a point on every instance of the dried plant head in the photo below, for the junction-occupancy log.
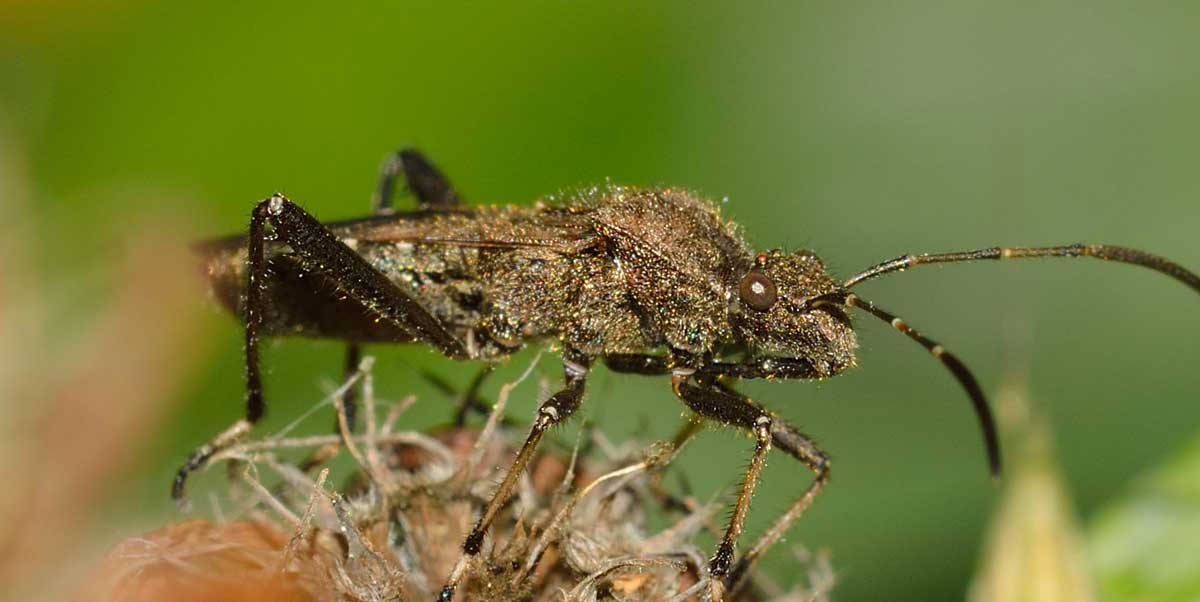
(577, 530)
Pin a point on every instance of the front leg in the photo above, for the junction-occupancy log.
(433, 192)
(801, 447)
(730, 408)
(701, 390)
(711, 400)
(553, 411)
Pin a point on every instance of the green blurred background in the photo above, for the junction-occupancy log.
(860, 130)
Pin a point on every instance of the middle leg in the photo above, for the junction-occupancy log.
(553, 411)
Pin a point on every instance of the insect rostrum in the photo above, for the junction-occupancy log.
(649, 280)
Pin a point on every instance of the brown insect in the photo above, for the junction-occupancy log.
(650, 280)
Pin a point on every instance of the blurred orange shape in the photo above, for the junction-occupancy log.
(198, 560)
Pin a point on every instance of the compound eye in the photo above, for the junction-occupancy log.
(757, 291)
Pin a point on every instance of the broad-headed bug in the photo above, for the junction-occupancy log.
(650, 280)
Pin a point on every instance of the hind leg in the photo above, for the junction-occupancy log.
(319, 252)
(433, 192)
(422, 178)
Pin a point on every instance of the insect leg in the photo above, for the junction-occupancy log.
(712, 400)
(468, 400)
(735, 410)
(553, 411)
(381, 204)
(423, 179)
(255, 405)
(800, 446)
(320, 252)
(431, 188)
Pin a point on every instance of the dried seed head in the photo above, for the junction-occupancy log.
(576, 531)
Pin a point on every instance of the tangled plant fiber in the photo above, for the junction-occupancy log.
(575, 531)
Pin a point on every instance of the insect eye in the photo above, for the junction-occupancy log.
(757, 291)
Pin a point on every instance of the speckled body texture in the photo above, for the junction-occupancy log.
(603, 271)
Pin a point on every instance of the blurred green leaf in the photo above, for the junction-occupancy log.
(1146, 546)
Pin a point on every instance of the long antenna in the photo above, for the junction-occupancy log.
(1105, 252)
(956, 367)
